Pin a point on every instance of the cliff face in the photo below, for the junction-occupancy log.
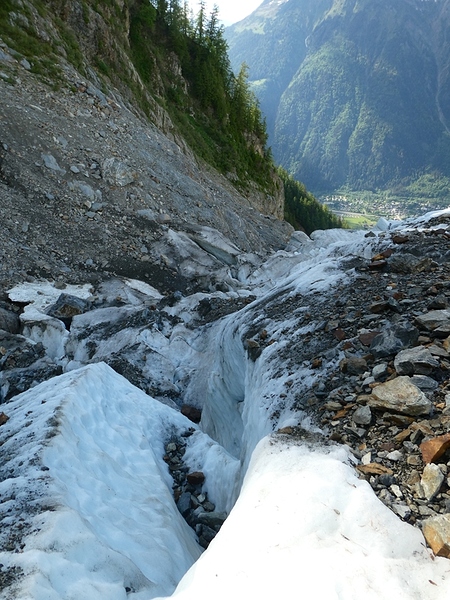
(90, 183)
(356, 92)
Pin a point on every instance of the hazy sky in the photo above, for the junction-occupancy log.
(230, 11)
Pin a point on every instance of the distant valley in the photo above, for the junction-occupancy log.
(357, 97)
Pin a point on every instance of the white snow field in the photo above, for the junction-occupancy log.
(85, 483)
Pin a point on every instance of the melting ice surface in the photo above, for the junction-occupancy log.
(89, 485)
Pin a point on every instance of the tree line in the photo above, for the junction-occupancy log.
(302, 210)
(220, 117)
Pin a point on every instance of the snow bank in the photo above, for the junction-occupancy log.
(91, 445)
(304, 526)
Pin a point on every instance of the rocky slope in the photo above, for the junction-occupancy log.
(90, 188)
(90, 184)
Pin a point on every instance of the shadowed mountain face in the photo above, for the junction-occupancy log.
(356, 92)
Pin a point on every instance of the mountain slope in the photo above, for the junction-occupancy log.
(365, 103)
(94, 166)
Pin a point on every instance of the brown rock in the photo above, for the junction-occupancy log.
(379, 307)
(403, 435)
(339, 334)
(353, 366)
(367, 338)
(387, 252)
(437, 533)
(422, 426)
(433, 449)
(195, 478)
(192, 413)
(377, 265)
(251, 343)
(3, 418)
(374, 469)
(286, 430)
(400, 239)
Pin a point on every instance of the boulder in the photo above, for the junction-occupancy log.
(116, 172)
(353, 365)
(434, 448)
(417, 360)
(67, 307)
(431, 481)
(9, 321)
(400, 395)
(433, 319)
(437, 533)
(394, 339)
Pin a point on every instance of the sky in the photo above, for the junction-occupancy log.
(230, 11)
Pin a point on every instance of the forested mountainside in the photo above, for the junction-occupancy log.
(356, 92)
(170, 65)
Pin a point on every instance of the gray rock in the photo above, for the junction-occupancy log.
(84, 188)
(395, 456)
(393, 339)
(6, 57)
(433, 319)
(362, 415)
(438, 303)
(18, 380)
(147, 213)
(25, 64)
(51, 163)
(213, 242)
(431, 481)
(417, 360)
(9, 321)
(116, 172)
(402, 510)
(298, 241)
(96, 93)
(18, 352)
(212, 519)
(424, 383)
(400, 395)
(408, 263)
(207, 533)
(184, 503)
(380, 371)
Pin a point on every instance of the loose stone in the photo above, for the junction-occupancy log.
(437, 533)
(431, 481)
(433, 449)
(400, 395)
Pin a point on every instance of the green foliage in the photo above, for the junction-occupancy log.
(20, 35)
(182, 61)
(219, 117)
(302, 210)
